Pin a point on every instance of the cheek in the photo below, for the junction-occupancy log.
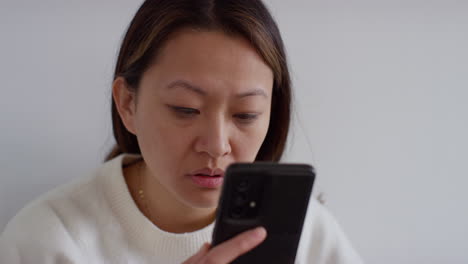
(249, 141)
(169, 142)
(166, 152)
(161, 143)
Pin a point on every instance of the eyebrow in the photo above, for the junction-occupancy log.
(198, 90)
(186, 85)
(253, 93)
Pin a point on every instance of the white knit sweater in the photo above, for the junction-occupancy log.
(95, 220)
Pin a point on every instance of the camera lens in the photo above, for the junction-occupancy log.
(237, 212)
(240, 199)
(243, 185)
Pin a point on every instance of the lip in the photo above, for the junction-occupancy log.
(207, 178)
(208, 172)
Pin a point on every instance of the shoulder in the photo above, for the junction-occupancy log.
(45, 230)
(67, 203)
(66, 224)
(323, 240)
(36, 233)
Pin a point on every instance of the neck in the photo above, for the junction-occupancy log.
(161, 207)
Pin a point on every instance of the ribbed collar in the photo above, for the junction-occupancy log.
(143, 232)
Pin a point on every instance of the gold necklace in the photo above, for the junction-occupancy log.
(141, 193)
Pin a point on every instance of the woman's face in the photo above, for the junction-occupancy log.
(204, 104)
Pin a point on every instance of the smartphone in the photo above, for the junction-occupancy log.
(272, 195)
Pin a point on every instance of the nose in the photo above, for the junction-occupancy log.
(213, 138)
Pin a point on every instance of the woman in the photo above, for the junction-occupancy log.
(198, 85)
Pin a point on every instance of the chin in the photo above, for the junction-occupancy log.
(204, 201)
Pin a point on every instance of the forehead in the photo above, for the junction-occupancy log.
(211, 59)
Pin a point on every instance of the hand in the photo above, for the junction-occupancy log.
(229, 250)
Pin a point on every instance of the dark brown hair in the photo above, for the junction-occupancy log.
(157, 19)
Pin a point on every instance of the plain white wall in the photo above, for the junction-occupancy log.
(381, 91)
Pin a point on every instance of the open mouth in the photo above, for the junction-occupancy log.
(206, 175)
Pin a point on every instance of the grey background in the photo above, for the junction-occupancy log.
(380, 90)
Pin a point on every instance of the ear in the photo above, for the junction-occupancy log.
(125, 102)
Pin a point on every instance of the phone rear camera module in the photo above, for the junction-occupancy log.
(238, 212)
(240, 199)
(243, 185)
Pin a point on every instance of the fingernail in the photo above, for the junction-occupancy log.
(259, 232)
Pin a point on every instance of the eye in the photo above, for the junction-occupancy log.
(184, 111)
(246, 117)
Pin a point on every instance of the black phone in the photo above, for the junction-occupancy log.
(272, 195)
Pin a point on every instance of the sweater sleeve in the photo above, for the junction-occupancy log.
(37, 235)
(323, 241)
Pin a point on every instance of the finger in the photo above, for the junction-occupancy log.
(199, 255)
(229, 250)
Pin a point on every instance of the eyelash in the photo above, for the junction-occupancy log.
(186, 112)
(246, 117)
